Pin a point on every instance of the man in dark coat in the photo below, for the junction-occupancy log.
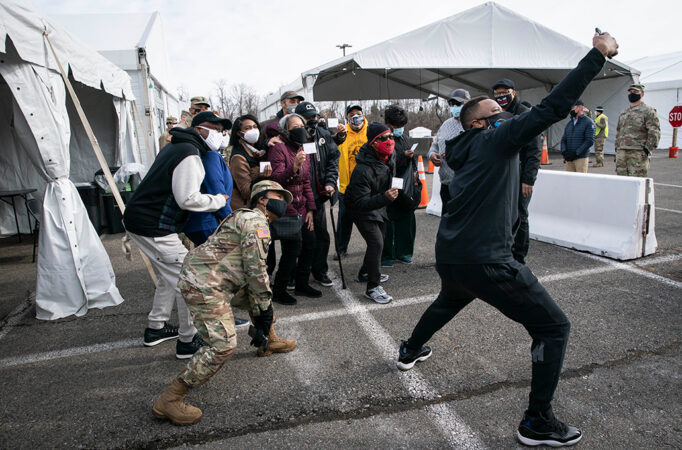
(474, 241)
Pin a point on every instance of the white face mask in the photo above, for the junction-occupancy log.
(225, 142)
(252, 135)
(214, 139)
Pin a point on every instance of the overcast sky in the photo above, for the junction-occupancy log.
(267, 43)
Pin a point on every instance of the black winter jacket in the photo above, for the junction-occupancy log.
(478, 224)
(529, 155)
(401, 205)
(365, 195)
(325, 171)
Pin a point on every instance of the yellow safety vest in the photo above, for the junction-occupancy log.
(606, 128)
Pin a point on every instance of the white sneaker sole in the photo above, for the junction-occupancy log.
(183, 356)
(158, 341)
(533, 443)
(408, 366)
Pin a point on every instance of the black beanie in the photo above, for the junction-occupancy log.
(375, 129)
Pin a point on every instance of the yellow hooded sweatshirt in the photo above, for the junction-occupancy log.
(350, 148)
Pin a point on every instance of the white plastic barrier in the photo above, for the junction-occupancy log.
(606, 215)
(434, 207)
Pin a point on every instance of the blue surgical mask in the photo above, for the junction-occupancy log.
(455, 110)
(397, 132)
(357, 120)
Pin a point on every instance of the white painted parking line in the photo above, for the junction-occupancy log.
(669, 185)
(21, 310)
(455, 431)
(669, 210)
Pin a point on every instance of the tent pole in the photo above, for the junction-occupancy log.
(150, 150)
(95, 146)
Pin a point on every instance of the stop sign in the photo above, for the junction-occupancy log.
(675, 116)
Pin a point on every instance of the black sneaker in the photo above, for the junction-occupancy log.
(185, 350)
(291, 285)
(364, 278)
(343, 254)
(153, 337)
(307, 290)
(283, 298)
(323, 280)
(545, 429)
(408, 357)
(241, 323)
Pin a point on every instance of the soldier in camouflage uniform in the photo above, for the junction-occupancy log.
(228, 270)
(165, 137)
(637, 135)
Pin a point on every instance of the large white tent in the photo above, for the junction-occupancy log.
(45, 147)
(662, 79)
(136, 43)
(470, 50)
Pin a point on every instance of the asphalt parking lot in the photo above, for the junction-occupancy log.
(89, 382)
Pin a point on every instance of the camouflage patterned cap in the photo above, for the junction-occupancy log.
(199, 101)
(172, 120)
(269, 185)
(639, 87)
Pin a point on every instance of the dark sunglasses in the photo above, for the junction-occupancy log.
(385, 137)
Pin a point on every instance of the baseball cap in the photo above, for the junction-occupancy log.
(579, 103)
(199, 101)
(460, 95)
(208, 116)
(599, 108)
(352, 107)
(269, 185)
(306, 109)
(172, 119)
(291, 94)
(504, 82)
(639, 87)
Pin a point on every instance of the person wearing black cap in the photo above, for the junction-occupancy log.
(368, 193)
(356, 137)
(475, 235)
(601, 132)
(159, 209)
(577, 139)
(529, 159)
(448, 130)
(324, 175)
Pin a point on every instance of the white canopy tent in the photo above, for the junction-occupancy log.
(469, 50)
(662, 79)
(44, 147)
(135, 43)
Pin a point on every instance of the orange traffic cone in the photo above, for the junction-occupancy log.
(544, 159)
(431, 168)
(422, 178)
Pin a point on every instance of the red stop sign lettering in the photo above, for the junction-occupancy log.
(675, 116)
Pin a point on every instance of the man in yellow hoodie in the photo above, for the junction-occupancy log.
(356, 137)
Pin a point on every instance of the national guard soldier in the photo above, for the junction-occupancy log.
(165, 136)
(600, 134)
(637, 135)
(196, 105)
(228, 269)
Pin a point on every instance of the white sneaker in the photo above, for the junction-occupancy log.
(378, 295)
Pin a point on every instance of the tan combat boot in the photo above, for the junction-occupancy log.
(170, 405)
(276, 344)
(598, 165)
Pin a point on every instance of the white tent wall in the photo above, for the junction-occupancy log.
(664, 99)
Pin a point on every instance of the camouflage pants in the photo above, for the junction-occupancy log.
(599, 149)
(210, 309)
(632, 163)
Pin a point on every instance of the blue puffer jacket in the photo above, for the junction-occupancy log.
(218, 180)
(577, 139)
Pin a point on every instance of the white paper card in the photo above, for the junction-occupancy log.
(309, 148)
(397, 183)
(414, 147)
(264, 165)
(332, 123)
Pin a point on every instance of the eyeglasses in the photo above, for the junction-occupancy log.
(385, 137)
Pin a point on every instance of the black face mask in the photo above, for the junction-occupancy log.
(496, 120)
(573, 114)
(312, 123)
(504, 100)
(634, 98)
(276, 206)
(322, 124)
(298, 136)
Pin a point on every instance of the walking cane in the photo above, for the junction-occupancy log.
(336, 245)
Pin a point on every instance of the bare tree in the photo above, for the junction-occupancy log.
(244, 99)
(222, 99)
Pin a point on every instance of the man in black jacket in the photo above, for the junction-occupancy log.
(529, 157)
(474, 241)
(368, 193)
(324, 174)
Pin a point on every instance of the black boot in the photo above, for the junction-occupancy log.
(282, 297)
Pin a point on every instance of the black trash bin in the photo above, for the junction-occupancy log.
(111, 213)
(90, 197)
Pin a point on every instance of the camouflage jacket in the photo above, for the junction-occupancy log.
(638, 127)
(232, 260)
